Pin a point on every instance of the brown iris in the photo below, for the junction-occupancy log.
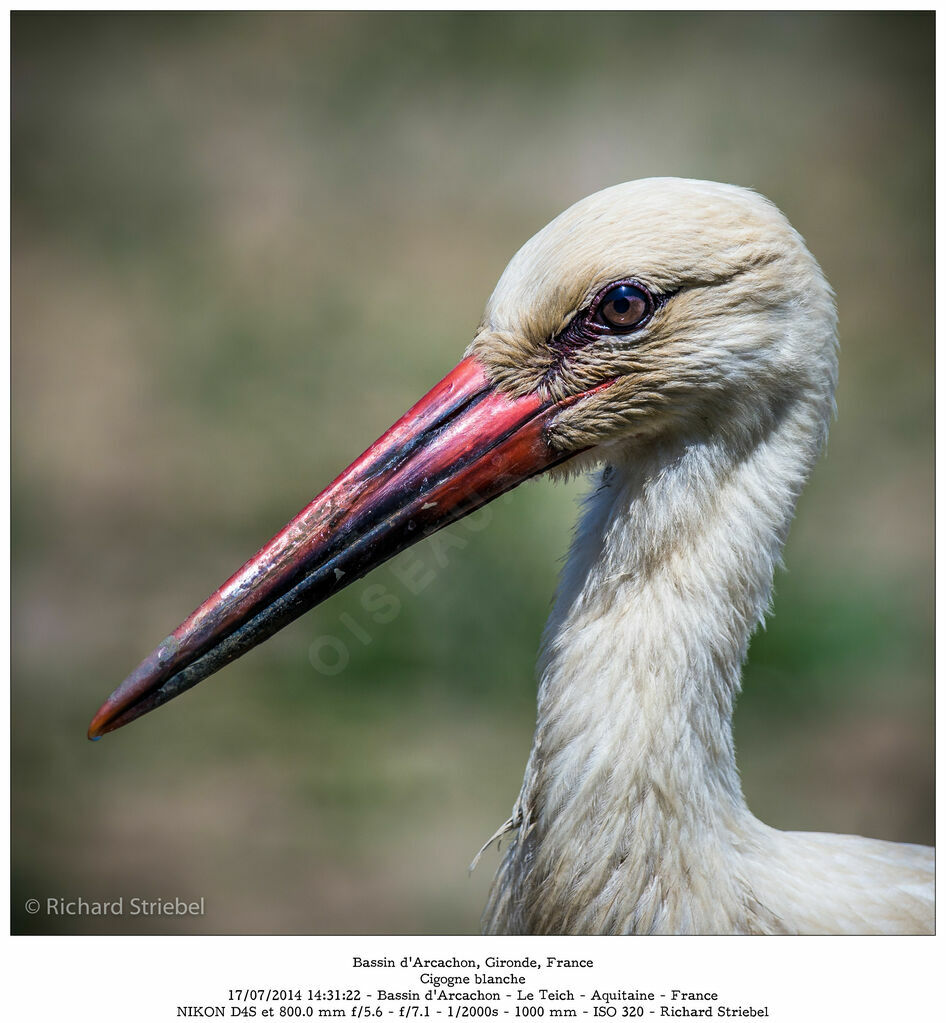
(624, 307)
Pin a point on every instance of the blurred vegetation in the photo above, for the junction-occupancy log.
(242, 245)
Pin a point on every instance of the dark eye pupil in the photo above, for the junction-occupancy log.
(624, 307)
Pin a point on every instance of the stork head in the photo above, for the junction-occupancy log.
(697, 302)
(657, 309)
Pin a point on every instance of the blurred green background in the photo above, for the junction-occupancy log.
(242, 246)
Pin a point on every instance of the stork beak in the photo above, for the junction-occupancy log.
(459, 447)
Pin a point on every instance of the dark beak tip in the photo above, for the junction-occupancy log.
(102, 723)
(96, 728)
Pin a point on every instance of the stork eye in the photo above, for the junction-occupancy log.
(624, 307)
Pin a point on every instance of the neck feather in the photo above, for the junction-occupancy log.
(631, 793)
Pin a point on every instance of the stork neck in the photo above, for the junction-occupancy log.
(672, 567)
(670, 571)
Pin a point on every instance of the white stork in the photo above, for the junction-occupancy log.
(679, 335)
